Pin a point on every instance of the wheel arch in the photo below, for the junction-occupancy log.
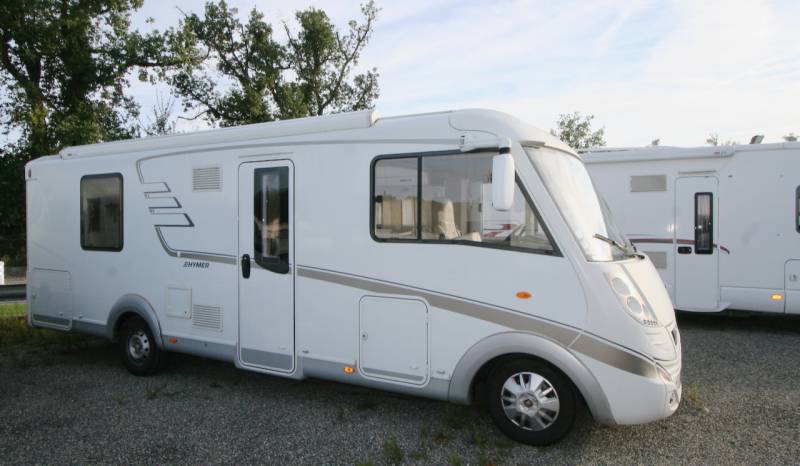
(128, 306)
(477, 360)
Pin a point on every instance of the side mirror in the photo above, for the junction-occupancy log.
(503, 181)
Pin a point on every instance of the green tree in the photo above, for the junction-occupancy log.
(713, 139)
(576, 131)
(64, 68)
(235, 73)
(791, 137)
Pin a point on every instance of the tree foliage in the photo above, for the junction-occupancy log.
(576, 131)
(64, 70)
(234, 73)
(791, 137)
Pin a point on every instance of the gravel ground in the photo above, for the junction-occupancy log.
(741, 405)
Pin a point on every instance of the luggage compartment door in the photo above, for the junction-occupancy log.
(696, 236)
(394, 339)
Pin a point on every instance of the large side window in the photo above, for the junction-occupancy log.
(271, 218)
(101, 212)
(704, 223)
(449, 197)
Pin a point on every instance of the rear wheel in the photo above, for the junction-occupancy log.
(140, 352)
(531, 402)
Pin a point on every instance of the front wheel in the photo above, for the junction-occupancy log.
(140, 352)
(531, 402)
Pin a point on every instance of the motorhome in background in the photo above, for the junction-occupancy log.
(721, 223)
(456, 255)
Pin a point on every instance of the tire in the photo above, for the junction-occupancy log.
(541, 412)
(139, 349)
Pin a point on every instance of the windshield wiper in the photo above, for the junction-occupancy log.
(612, 242)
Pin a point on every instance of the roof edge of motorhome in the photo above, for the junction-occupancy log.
(298, 126)
(651, 153)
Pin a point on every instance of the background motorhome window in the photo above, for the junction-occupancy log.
(101, 212)
(395, 191)
(271, 218)
(457, 206)
(703, 223)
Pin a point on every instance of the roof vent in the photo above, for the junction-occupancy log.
(207, 179)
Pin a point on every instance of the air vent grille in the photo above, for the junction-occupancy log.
(207, 317)
(648, 183)
(207, 179)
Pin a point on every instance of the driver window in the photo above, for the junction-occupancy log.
(456, 205)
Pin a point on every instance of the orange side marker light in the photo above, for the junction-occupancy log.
(348, 370)
(523, 295)
(173, 340)
(777, 297)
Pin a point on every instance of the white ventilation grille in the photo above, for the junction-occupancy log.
(207, 179)
(207, 317)
(648, 183)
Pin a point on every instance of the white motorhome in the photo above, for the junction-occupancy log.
(359, 249)
(721, 224)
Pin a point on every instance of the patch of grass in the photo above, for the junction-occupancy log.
(14, 331)
(440, 437)
(366, 405)
(691, 394)
(419, 455)
(13, 310)
(366, 462)
(392, 452)
(455, 460)
(152, 392)
(457, 418)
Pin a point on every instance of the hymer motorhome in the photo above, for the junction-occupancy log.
(458, 255)
(721, 224)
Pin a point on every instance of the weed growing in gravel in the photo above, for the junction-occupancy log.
(440, 437)
(151, 393)
(366, 405)
(457, 417)
(454, 460)
(392, 451)
(420, 454)
(366, 462)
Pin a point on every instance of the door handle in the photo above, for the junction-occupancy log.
(246, 266)
(684, 249)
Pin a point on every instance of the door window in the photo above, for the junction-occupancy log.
(703, 223)
(271, 218)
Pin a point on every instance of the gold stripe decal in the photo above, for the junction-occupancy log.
(591, 346)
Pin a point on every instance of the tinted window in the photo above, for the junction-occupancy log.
(101, 212)
(449, 196)
(271, 218)
(396, 189)
(703, 223)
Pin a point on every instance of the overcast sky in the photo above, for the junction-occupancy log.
(674, 70)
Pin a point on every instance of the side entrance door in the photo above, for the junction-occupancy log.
(696, 252)
(266, 266)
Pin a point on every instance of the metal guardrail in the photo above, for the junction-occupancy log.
(12, 292)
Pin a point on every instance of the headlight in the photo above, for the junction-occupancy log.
(632, 301)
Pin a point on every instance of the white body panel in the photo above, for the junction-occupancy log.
(413, 317)
(756, 236)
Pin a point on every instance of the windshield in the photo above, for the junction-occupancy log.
(587, 215)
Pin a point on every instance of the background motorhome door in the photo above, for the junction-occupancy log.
(696, 252)
(266, 272)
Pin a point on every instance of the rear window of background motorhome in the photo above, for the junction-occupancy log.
(447, 198)
(101, 212)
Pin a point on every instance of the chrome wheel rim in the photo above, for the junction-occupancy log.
(138, 345)
(530, 401)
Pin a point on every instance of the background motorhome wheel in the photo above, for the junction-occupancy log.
(530, 402)
(140, 352)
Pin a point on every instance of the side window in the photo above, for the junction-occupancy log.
(450, 198)
(457, 205)
(396, 190)
(704, 223)
(271, 218)
(101, 212)
(797, 209)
